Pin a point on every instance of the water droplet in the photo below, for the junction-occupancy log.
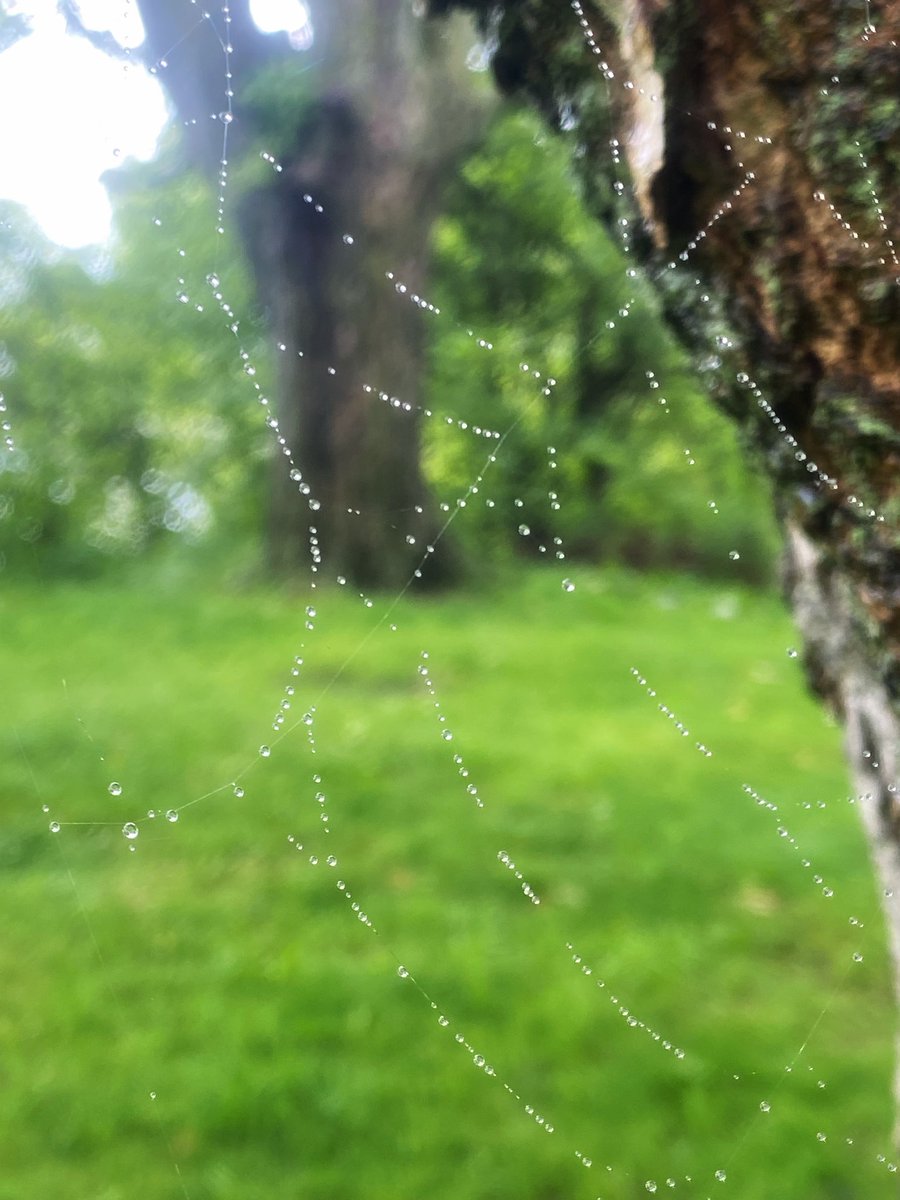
(310, 611)
(54, 826)
(403, 973)
(568, 585)
(238, 791)
(444, 1021)
(171, 816)
(721, 1176)
(115, 789)
(130, 830)
(348, 239)
(213, 280)
(446, 735)
(524, 530)
(765, 1106)
(650, 1185)
(264, 751)
(792, 653)
(733, 555)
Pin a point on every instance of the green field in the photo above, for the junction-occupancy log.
(218, 968)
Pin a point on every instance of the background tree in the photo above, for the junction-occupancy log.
(764, 159)
(160, 450)
(355, 133)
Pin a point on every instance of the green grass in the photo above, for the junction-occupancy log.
(218, 968)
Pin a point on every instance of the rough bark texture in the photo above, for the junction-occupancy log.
(758, 136)
(360, 151)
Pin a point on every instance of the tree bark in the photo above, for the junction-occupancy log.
(762, 144)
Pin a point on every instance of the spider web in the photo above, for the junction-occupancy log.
(540, 1009)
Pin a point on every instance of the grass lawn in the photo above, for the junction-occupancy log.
(209, 963)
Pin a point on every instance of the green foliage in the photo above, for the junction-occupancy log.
(639, 459)
(131, 420)
(276, 100)
(217, 968)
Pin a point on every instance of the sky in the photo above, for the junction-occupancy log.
(71, 112)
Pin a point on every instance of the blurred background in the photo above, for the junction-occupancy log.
(262, 940)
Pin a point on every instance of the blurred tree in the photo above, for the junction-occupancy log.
(763, 146)
(104, 347)
(519, 258)
(160, 443)
(361, 164)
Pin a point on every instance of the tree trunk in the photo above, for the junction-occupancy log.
(347, 336)
(763, 147)
(361, 168)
